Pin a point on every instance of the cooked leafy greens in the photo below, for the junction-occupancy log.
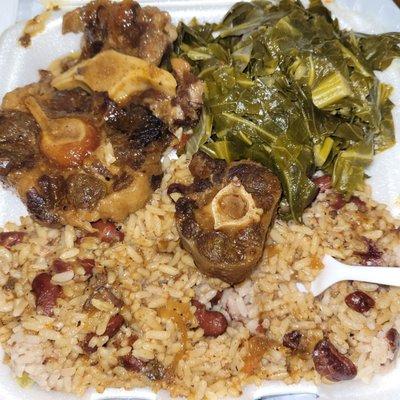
(287, 88)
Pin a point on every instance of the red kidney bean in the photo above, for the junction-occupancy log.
(260, 330)
(338, 202)
(373, 256)
(213, 323)
(393, 338)
(113, 326)
(324, 182)
(9, 239)
(178, 188)
(131, 363)
(59, 266)
(46, 293)
(359, 301)
(108, 232)
(361, 205)
(85, 343)
(88, 265)
(331, 364)
(215, 300)
(292, 340)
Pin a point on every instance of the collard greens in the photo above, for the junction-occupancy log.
(287, 88)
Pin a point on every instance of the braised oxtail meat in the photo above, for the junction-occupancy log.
(138, 137)
(85, 142)
(41, 209)
(19, 135)
(331, 364)
(189, 94)
(224, 226)
(82, 163)
(123, 26)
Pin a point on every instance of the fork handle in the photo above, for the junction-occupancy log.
(380, 275)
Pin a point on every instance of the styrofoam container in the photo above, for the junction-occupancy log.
(19, 66)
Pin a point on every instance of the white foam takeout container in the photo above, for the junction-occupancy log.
(18, 66)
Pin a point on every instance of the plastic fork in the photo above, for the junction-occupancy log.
(334, 271)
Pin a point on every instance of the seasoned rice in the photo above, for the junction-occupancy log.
(149, 268)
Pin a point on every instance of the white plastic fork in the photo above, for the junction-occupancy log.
(334, 271)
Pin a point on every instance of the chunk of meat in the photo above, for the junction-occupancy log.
(156, 181)
(19, 134)
(393, 339)
(53, 188)
(107, 232)
(137, 136)
(225, 225)
(10, 239)
(331, 364)
(84, 191)
(203, 166)
(41, 209)
(125, 26)
(76, 157)
(213, 323)
(360, 301)
(65, 102)
(292, 339)
(46, 293)
(189, 93)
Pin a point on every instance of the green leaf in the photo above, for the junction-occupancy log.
(291, 165)
(200, 134)
(380, 50)
(322, 151)
(330, 90)
(348, 171)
